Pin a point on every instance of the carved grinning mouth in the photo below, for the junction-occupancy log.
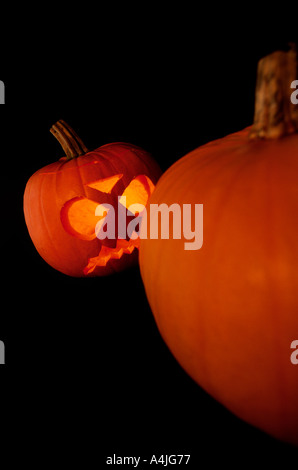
(106, 253)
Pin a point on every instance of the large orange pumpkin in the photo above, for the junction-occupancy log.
(61, 200)
(229, 310)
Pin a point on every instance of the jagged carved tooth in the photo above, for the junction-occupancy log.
(129, 249)
(117, 254)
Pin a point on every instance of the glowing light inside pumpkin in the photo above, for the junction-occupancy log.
(80, 216)
(79, 213)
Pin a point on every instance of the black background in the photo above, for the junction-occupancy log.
(87, 374)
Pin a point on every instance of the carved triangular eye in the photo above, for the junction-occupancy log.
(78, 217)
(105, 185)
(137, 193)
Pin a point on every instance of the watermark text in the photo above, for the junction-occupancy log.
(294, 95)
(2, 93)
(157, 221)
(294, 355)
(2, 353)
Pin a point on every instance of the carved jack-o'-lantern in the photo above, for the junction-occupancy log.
(66, 204)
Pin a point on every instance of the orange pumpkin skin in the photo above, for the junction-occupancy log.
(49, 190)
(229, 311)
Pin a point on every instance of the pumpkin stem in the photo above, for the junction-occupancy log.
(68, 139)
(275, 114)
